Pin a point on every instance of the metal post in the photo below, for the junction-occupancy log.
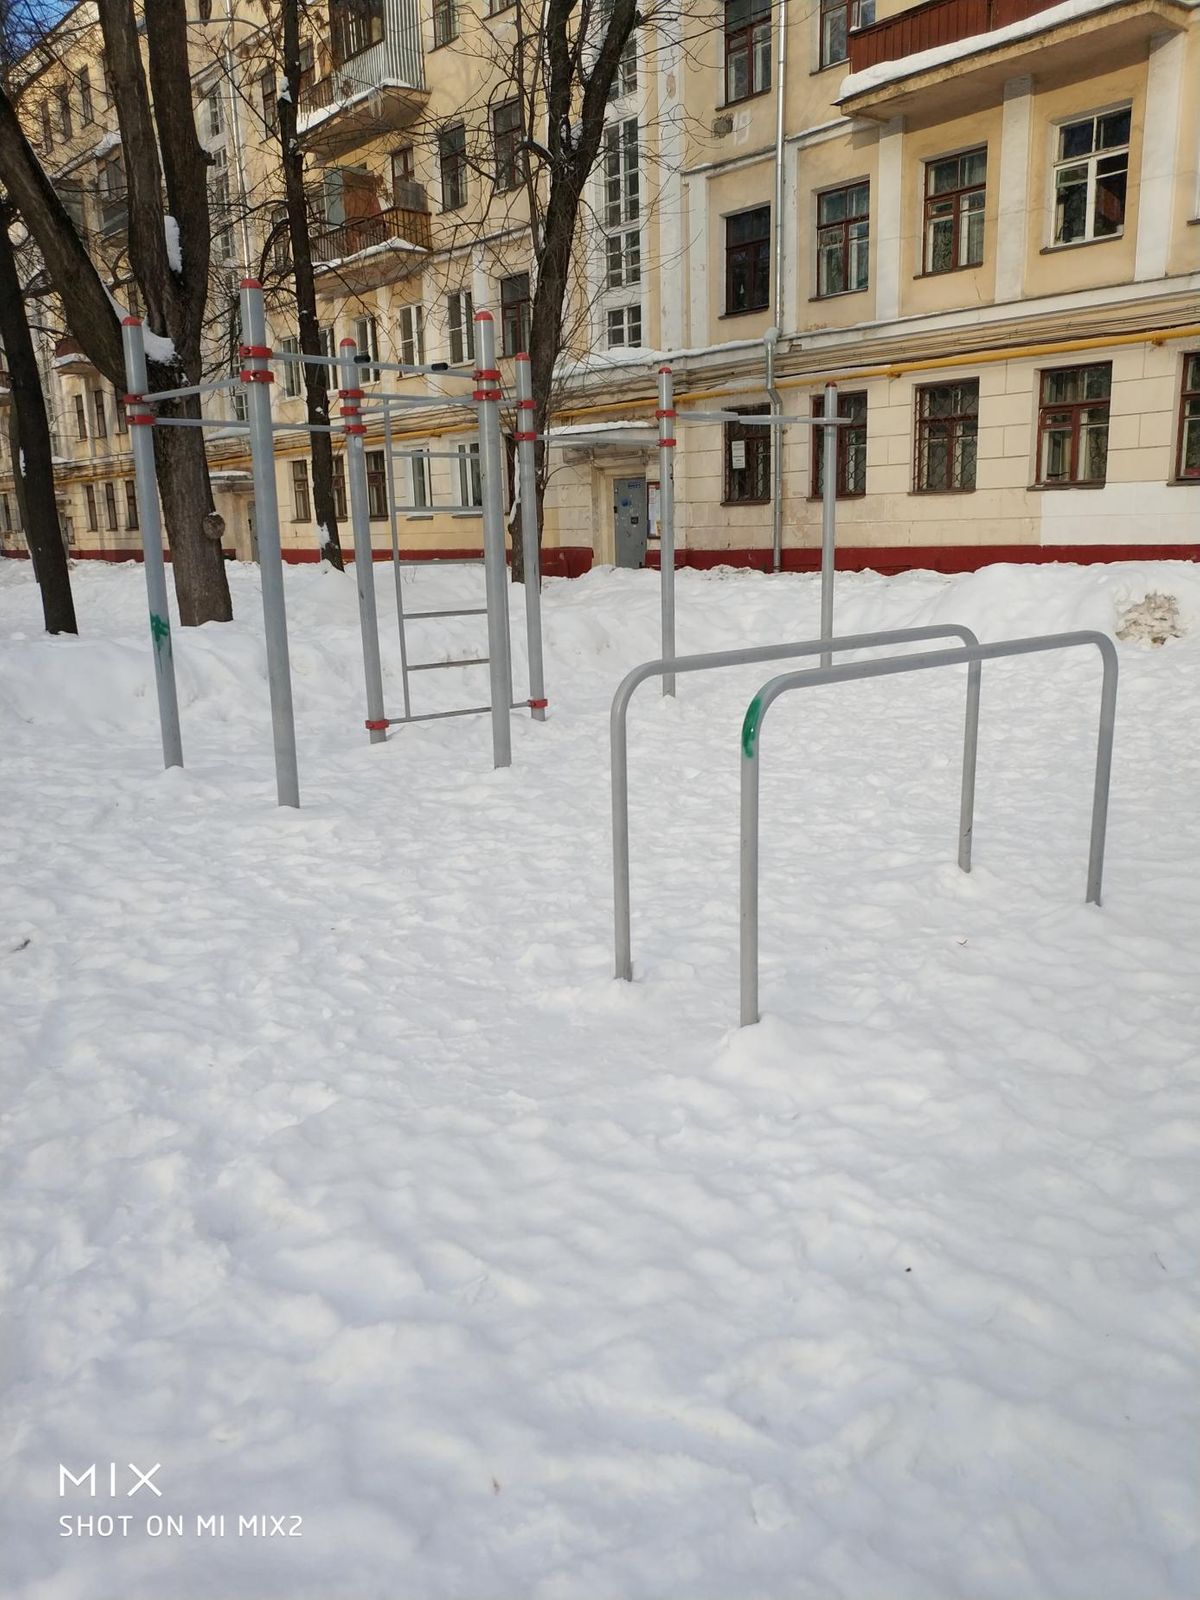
(829, 513)
(390, 471)
(969, 655)
(256, 375)
(350, 394)
(666, 519)
(150, 518)
(619, 749)
(526, 437)
(770, 339)
(491, 466)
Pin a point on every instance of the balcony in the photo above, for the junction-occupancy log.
(966, 49)
(69, 359)
(375, 85)
(369, 251)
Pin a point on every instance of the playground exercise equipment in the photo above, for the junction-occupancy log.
(971, 655)
(483, 403)
(790, 650)
(668, 417)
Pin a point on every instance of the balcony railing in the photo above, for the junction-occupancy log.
(400, 223)
(329, 91)
(935, 23)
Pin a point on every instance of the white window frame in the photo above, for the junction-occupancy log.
(292, 371)
(470, 480)
(419, 481)
(411, 323)
(621, 173)
(622, 320)
(366, 337)
(1091, 161)
(623, 259)
(460, 325)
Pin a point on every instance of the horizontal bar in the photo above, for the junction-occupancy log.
(438, 369)
(436, 455)
(436, 716)
(308, 427)
(189, 389)
(428, 401)
(471, 611)
(643, 441)
(437, 666)
(438, 511)
(767, 421)
(201, 422)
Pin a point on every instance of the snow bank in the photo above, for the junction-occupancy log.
(342, 1181)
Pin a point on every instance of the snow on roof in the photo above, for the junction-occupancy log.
(307, 121)
(371, 250)
(922, 60)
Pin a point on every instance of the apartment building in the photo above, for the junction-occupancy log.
(981, 218)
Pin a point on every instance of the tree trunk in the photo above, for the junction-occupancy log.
(197, 561)
(316, 379)
(33, 467)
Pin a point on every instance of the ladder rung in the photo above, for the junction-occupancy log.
(469, 611)
(434, 716)
(436, 666)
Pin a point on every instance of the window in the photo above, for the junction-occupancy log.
(1188, 465)
(851, 447)
(366, 337)
(838, 18)
(301, 504)
(218, 200)
(119, 410)
(843, 239)
(339, 485)
(292, 370)
(268, 101)
(1090, 175)
(625, 77)
(100, 413)
(747, 49)
(5, 514)
(1073, 424)
(211, 119)
(470, 483)
(131, 511)
(308, 71)
(947, 429)
(93, 519)
(452, 160)
(499, 5)
(354, 26)
(955, 189)
(110, 506)
(110, 180)
(86, 108)
(623, 260)
(418, 467)
(747, 460)
(445, 22)
(406, 191)
(621, 182)
(81, 428)
(281, 240)
(65, 123)
(412, 335)
(624, 326)
(460, 325)
(506, 145)
(238, 402)
(47, 127)
(748, 261)
(514, 314)
(377, 496)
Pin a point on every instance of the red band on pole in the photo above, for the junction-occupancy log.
(142, 420)
(132, 399)
(492, 373)
(487, 394)
(257, 377)
(538, 705)
(660, 414)
(376, 726)
(525, 438)
(350, 394)
(520, 356)
(262, 351)
(355, 427)
(667, 442)
(526, 405)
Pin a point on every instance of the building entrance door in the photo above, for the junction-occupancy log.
(629, 521)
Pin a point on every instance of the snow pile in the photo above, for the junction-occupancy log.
(1153, 620)
(341, 1180)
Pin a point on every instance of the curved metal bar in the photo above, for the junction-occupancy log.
(970, 655)
(747, 657)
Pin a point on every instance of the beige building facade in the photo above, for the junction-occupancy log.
(979, 218)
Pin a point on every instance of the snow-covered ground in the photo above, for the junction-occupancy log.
(341, 1180)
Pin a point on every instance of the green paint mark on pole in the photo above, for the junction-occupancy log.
(750, 727)
(160, 630)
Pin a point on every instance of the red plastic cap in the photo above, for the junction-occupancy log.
(665, 369)
(342, 343)
(520, 356)
(131, 322)
(484, 316)
(251, 283)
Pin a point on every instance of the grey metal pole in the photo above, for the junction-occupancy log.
(666, 518)
(891, 667)
(256, 375)
(491, 463)
(350, 394)
(393, 518)
(829, 513)
(966, 807)
(770, 339)
(526, 437)
(150, 518)
(618, 742)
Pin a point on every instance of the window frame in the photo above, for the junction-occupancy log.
(111, 518)
(87, 109)
(521, 305)
(1091, 161)
(81, 427)
(412, 314)
(460, 325)
(1075, 408)
(99, 414)
(377, 485)
(958, 214)
(93, 514)
(744, 43)
(368, 371)
(292, 386)
(760, 438)
(452, 166)
(950, 427)
(445, 22)
(508, 155)
(620, 163)
(845, 438)
(66, 119)
(470, 477)
(301, 492)
(627, 319)
(845, 224)
(355, 26)
(131, 509)
(752, 255)
(1189, 394)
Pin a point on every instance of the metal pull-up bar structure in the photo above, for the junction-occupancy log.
(619, 745)
(970, 655)
(255, 377)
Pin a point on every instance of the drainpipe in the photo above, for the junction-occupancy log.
(771, 337)
(239, 151)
